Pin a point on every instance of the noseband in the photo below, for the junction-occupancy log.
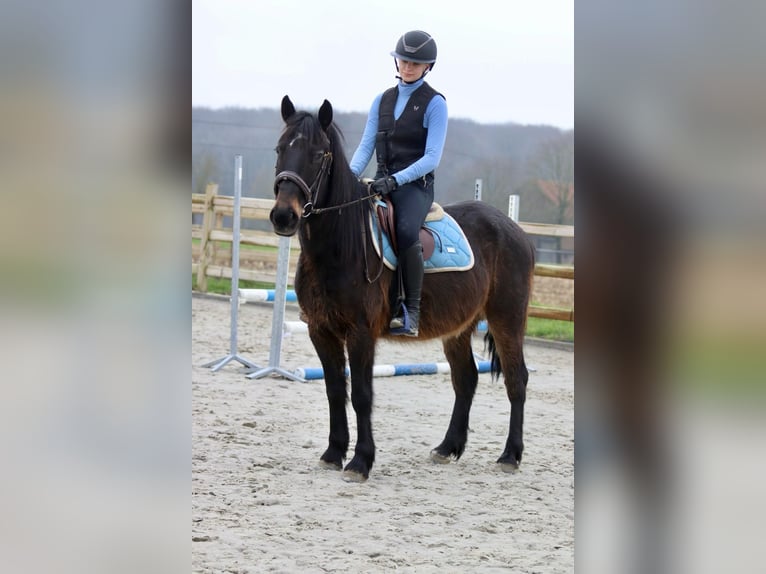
(309, 192)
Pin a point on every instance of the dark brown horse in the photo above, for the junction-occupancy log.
(347, 294)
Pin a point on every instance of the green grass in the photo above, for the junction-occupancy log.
(726, 368)
(536, 327)
(225, 246)
(550, 329)
(222, 286)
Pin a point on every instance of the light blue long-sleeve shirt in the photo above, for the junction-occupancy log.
(435, 121)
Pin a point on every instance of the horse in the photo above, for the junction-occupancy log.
(346, 294)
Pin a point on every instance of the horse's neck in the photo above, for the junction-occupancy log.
(335, 238)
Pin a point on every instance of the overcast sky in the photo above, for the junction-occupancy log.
(498, 60)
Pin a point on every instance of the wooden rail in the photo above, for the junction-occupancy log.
(258, 263)
(547, 229)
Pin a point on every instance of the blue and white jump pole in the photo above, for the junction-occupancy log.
(310, 373)
(265, 295)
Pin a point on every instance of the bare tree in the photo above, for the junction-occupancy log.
(205, 170)
(552, 168)
(499, 175)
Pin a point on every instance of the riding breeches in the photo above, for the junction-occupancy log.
(411, 204)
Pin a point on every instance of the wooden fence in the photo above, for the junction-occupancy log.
(211, 255)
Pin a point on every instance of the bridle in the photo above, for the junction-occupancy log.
(310, 192)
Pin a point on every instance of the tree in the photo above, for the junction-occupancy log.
(552, 168)
(499, 175)
(205, 170)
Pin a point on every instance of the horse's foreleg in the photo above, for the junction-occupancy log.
(361, 356)
(465, 377)
(330, 351)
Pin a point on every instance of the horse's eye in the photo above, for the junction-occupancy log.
(276, 150)
(318, 155)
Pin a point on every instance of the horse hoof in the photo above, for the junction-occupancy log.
(439, 458)
(509, 467)
(353, 476)
(329, 465)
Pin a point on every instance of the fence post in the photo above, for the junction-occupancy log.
(513, 207)
(213, 244)
(208, 220)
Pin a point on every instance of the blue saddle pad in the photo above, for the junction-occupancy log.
(452, 252)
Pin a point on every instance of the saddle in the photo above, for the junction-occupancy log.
(386, 220)
(445, 246)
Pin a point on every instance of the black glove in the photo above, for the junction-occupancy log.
(384, 185)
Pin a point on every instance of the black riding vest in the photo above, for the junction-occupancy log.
(400, 143)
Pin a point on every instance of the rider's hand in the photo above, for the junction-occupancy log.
(384, 185)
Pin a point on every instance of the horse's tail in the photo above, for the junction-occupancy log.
(495, 368)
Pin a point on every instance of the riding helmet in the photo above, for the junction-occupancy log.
(416, 46)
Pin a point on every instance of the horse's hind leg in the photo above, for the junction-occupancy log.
(509, 349)
(465, 377)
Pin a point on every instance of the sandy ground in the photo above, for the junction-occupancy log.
(260, 502)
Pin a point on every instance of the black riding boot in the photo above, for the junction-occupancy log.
(411, 263)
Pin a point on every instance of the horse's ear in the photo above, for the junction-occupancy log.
(325, 115)
(288, 109)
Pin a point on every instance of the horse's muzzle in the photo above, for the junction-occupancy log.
(284, 220)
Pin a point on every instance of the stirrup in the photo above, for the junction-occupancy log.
(400, 319)
(401, 325)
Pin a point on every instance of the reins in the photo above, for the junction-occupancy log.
(320, 210)
(364, 251)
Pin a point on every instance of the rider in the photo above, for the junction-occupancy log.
(406, 127)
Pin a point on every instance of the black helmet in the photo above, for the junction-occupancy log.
(416, 46)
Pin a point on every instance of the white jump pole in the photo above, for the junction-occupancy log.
(233, 356)
(289, 327)
(264, 295)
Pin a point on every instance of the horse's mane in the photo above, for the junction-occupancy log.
(344, 226)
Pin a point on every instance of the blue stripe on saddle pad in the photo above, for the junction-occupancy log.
(452, 252)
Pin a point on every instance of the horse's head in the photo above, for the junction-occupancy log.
(304, 157)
